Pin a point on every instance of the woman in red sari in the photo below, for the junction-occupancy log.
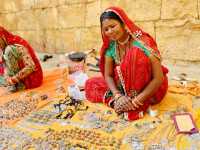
(131, 66)
(22, 69)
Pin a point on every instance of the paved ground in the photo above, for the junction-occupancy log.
(191, 70)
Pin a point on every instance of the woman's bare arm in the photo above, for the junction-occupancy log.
(29, 65)
(109, 73)
(157, 79)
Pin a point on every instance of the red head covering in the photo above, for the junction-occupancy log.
(4, 33)
(133, 30)
(37, 75)
(14, 39)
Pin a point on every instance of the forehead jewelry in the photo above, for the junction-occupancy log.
(138, 33)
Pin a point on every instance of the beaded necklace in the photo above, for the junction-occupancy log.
(133, 93)
(118, 61)
(120, 56)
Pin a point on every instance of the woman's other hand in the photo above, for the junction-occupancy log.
(136, 102)
(123, 104)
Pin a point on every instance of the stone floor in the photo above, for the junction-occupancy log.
(192, 70)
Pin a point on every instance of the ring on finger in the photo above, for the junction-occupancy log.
(138, 102)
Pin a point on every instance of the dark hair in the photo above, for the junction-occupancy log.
(110, 15)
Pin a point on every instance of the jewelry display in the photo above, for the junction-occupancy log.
(85, 127)
(15, 109)
(41, 117)
(147, 125)
(100, 120)
(68, 107)
(156, 147)
(196, 102)
(194, 141)
(71, 138)
(78, 138)
(139, 137)
(97, 122)
(180, 109)
(14, 139)
(91, 117)
(134, 141)
(60, 89)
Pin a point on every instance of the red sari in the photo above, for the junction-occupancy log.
(34, 79)
(135, 70)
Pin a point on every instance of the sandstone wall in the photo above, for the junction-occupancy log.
(65, 25)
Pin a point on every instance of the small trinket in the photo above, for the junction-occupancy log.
(156, 147)
(152, 113)
(44, 97)
(67, 108)
(108, 112)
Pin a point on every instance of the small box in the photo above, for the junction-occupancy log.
(184, 123)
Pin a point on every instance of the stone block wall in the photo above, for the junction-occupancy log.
(59, 26)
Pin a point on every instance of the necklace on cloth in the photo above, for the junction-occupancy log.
(125, 41)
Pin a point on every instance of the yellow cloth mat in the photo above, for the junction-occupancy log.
(151, 130)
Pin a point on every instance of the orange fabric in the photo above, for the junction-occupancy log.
(48, 87)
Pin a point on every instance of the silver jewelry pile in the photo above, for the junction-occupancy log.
(15, 109)
(13, 139)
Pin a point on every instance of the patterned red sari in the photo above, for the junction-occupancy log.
(34, 79)
(134, 72)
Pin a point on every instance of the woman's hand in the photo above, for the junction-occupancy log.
(136, 102)
(11, 80)
(123, 104)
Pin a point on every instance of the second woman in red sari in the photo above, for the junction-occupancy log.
(133, 77)
(22, 69)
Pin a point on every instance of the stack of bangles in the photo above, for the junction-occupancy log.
(133, 101)
(117, 96)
